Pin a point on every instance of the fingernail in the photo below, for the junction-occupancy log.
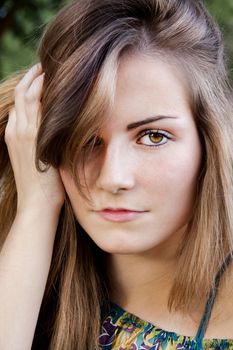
(38, 65)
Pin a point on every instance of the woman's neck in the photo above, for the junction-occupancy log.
(141, 279)
(141, 284)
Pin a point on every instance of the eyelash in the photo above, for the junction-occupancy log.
(157, 132)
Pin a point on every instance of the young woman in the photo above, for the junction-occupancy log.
(116, 160)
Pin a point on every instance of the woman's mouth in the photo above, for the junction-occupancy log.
(120, 214)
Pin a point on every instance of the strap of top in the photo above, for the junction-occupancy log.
(210, 302)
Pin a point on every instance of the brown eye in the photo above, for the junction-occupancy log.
(95, 141)
(154, 138)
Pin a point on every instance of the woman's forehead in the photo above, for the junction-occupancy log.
(147, 87)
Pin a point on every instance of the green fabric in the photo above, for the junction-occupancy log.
(122, 330)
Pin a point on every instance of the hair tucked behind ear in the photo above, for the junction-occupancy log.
(69, 301)
(80, 52)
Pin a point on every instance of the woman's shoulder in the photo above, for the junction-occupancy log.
(126, 328)
(123, 329)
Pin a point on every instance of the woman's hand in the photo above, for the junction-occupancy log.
(35, 190)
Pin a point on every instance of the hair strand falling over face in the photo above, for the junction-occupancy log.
(80, 52)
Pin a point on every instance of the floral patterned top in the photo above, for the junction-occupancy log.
(122, 330)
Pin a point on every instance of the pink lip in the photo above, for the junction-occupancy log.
(119, 215)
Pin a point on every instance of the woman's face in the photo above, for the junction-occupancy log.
(142, 176)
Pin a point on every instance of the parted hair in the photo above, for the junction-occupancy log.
(80, 51)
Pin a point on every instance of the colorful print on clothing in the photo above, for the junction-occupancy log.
(122, 330)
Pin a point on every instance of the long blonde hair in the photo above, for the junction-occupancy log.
(80, 52)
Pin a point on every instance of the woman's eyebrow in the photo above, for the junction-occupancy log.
(147, 121)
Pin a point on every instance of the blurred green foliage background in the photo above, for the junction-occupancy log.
(22, 23)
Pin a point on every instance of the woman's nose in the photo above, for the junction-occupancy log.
(116, 172)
